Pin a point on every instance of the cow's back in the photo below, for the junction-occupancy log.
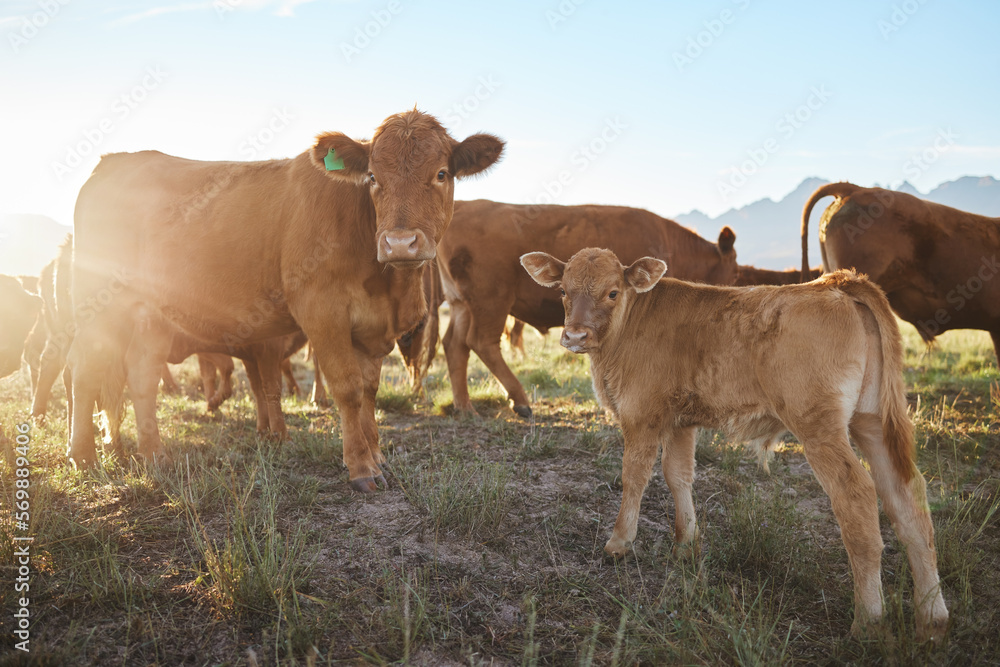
(933, 262)
(486, 239)
(201, 240)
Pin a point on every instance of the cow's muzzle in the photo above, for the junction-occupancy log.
(576, 339)
(407, 245)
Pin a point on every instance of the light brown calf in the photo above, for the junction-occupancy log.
(668, 356)
(483, 283)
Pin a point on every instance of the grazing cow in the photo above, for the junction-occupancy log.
(751, 275)
(483, 282)
(936, 264)
(332, 241)
(667, 357)
(18, 313)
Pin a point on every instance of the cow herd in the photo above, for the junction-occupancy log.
(353, 246)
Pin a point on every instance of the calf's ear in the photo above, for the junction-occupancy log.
(474, 155)
(644, 273)
(546, 270)
(341, 157)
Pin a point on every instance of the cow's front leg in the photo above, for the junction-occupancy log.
(641, 446)
(371, 368)
(346, 379)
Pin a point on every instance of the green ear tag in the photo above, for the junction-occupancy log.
(332, 162)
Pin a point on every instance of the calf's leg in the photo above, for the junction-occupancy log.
(146, 359)
(286, 371)
(852, 494)
(904, 499)
(52, 362)
(678, 471)
(642, 442)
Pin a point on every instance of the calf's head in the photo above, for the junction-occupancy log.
(409, 167)
(596, 290)
(18, 311)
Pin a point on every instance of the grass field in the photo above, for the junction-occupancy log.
(487, 548)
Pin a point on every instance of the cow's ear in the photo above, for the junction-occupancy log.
(476, 154)
(727, 237)
(341, 157)
(546, 270)
(645, 273)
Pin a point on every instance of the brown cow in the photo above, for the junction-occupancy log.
(18, 314)
(483, 281)
(936, 264)
(332, 241)
(751, 275)
(668, 356)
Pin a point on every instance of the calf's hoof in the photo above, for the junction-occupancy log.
(617, 547)
(933, 631)
(369, 484)
(523, 411)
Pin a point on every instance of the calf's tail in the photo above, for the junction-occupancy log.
(897, 429)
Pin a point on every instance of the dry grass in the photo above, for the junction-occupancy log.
(487, 547)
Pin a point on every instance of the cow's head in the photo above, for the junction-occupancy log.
(409, 168)
(726, 270)
(18, 311)
(596, 291)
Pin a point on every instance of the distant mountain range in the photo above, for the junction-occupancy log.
(29, 242)
(767, 231)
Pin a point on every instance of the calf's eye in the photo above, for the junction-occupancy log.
(371, 178)
(612, 294)
(442, 175)
(562, 291)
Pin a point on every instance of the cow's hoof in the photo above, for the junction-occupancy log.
(616, 547)
(82, 462)
(523, 411)
(368, 484)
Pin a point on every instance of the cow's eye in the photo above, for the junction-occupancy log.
(612, 294)
(371, 178)
(442, 175)
(562, 291)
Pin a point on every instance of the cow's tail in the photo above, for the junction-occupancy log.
(840, 190)
(897, 429)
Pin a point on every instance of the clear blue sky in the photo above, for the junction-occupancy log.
(886, 79)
